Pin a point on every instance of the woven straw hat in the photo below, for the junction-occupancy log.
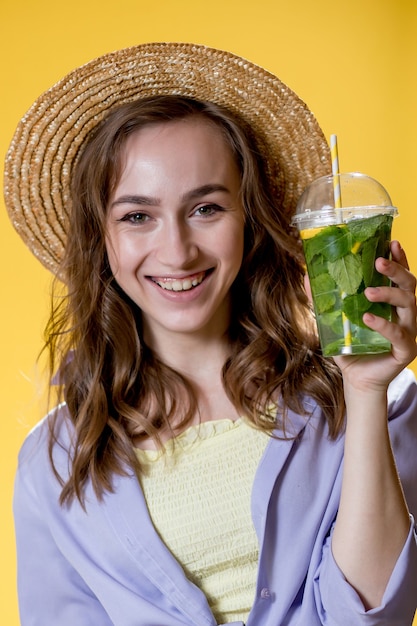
(50, 136)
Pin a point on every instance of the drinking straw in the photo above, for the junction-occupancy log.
(335, 171)
(347, 348)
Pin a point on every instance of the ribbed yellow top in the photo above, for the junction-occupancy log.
(198, 494)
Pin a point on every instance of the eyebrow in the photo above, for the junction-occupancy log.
(204, 190)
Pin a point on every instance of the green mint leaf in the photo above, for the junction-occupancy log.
(347, 273)
(317, 267)
(323, 289)
(382, 309)
(334, 348)
(368, 262)
(354, 307)
(332, 319)
(332, 242)
(366, 228)
(371, 250)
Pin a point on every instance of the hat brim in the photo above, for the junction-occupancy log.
(50, 136)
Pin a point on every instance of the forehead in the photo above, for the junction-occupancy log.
(187, 142)
(192, 150)
(185, 129)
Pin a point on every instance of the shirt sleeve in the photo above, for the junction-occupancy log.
(340, 604)
(50, 591)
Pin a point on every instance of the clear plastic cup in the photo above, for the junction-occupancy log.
(340, 249)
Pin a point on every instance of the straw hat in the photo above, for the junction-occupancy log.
(50, 136)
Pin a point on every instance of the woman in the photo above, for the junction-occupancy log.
(206, 465)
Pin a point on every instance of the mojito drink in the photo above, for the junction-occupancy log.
(340, 261)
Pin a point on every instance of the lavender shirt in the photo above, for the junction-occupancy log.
(107, 566)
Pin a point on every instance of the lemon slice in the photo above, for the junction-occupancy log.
(307, 233)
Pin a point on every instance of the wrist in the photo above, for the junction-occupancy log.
(366, 400)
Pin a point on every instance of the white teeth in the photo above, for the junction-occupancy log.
(180, 285)
(177, 285)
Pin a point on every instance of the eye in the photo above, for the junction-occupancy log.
(207, 210)
(135, 218)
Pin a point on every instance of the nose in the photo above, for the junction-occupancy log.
(177, 247)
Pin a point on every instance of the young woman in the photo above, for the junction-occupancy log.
(206, 464)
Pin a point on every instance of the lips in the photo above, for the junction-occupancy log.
(180, 284)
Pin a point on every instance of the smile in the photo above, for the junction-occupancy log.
(180, 284)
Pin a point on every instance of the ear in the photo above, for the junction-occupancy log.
(307, 287)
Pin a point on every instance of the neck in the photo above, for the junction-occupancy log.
(193, 355)
(194, 347)
(200, 360)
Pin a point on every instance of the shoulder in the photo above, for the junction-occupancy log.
(402, 394)
(34, 452)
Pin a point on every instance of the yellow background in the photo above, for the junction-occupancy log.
(353, 62)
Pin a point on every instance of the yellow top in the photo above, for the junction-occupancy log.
(198, 494)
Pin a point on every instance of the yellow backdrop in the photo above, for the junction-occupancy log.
(353, 62)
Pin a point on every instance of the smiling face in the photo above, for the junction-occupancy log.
(175, 227)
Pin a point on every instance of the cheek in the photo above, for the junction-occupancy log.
(122, 257)
(307, 287)
(233, 252)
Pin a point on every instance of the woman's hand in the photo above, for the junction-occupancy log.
(377, 371)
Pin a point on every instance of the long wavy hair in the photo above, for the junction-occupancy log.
(116, 389)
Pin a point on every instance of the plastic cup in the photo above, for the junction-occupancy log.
(340, 249)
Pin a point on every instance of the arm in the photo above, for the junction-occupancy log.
(373, 519)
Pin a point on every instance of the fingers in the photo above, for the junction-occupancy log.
(402, 338)
(401, 332)
(398, 254)
(397, 271)
(403, 300)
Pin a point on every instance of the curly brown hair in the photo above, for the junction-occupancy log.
(115, 387)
